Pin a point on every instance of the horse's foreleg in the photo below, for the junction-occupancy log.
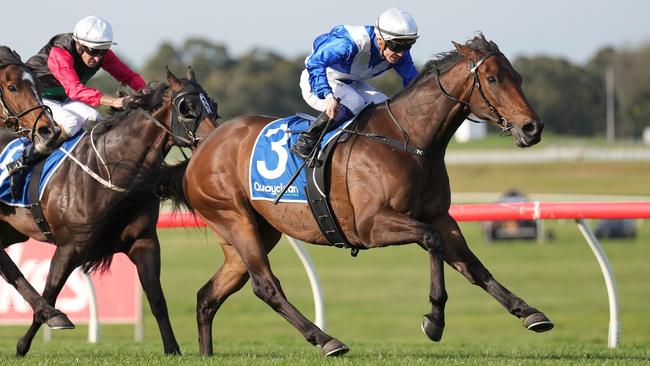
(45, 313)
(230, 278)
(392, 228)
(461, 258)
(65, 259)
(145, 254)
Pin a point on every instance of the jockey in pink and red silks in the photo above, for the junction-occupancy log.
(63, 67)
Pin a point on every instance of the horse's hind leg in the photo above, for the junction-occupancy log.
(145, 254)
(229, 279)
(243, 234)
(65, 259)
(45, 313)
(461, 258)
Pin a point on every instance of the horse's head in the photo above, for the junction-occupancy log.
(498, 96)
(194, 114)
(21, 107)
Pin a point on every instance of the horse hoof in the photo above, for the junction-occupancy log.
(432, 331)
(334, 348)
(538, 322)
(60, 321)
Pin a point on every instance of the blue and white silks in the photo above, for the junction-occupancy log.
(272, 164)
(14, 150)
(348, 54)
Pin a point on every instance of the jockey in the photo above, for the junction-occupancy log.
(341, 60)
(62, 67)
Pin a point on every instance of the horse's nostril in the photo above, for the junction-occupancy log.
(45, 132)
(533, 128)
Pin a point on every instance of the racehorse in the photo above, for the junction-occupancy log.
(382, 194)
(93, 203)
(22, 110)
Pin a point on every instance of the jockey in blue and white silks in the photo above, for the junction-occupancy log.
(333, 81)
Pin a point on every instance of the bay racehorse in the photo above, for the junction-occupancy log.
(93, 202)
(22, 110)
(382, 194)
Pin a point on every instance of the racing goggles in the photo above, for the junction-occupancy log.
(94, 51)
(400, 45)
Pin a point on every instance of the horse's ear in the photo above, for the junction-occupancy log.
(171, 78)
(190, 73)
(467, 52)
(459, 47)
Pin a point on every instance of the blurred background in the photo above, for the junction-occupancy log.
(586, 71)
(249, 56)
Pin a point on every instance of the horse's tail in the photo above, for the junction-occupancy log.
(169, 185)
(164, 183)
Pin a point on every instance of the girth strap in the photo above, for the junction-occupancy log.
(317, 197)
(35, 204)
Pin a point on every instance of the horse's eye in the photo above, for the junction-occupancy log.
(12, 88)
(186, 109)
(492, 80)
(183, 108)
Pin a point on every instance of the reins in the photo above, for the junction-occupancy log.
(401, 145)
(191, 141)
(476, 84)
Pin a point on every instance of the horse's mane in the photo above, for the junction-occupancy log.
(9, 57)
(444, 60)
(149, 101)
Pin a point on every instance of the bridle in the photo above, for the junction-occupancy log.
(496, 117)
(404, 144)
(178, 116)
(13, 119)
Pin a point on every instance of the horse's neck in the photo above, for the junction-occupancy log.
(429, 117)
(135, 141)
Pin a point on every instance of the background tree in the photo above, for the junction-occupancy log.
(569, 97)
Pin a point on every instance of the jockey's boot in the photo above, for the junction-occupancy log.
(18, 170)
(308, 138)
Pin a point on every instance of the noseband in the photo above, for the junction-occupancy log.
(13, 119)
(496, 117)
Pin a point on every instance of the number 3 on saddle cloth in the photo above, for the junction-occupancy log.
(13, 151)
(272, 164)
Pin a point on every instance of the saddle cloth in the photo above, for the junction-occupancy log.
(272, 164)
(14, 150)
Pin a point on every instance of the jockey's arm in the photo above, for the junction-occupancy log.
(406, 69)
(121, 72)
(112, 101)
(332, 52)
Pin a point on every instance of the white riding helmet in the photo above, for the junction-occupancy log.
(396, 24)
(94, 32)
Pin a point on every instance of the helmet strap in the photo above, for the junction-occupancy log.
(383, 41)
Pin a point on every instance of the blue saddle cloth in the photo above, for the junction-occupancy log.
(14, 150)
(272, 164)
